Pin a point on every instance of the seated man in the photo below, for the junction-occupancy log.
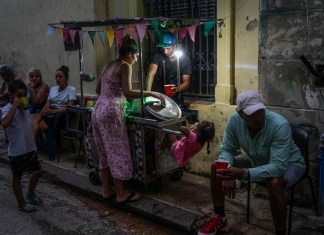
(270, 156)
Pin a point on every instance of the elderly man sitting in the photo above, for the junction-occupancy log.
(270, 156)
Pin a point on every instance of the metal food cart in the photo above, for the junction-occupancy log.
(146, 130)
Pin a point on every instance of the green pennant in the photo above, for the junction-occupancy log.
(92, 35)
(208, 26)
(155, 25)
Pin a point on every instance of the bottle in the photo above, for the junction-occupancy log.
(24, 104)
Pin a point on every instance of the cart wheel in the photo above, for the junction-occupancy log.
(94, 178)
(158, 185)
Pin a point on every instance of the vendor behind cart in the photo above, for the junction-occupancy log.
(163, 70)
(109, 123)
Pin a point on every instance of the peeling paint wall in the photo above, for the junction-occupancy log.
(289, 29)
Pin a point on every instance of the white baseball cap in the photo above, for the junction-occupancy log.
(249, 102)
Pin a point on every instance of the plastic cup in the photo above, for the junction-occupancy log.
(221, 164)
(168, 89)
(24, 104)
(89, 104)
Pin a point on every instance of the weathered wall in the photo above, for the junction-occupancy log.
(289, 29)
(24, 42)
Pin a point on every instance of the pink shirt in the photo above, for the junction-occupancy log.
(185, 148)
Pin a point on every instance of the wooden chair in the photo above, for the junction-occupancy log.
(300, 137)
(76, 129)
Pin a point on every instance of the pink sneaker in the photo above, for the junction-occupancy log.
(216, 223)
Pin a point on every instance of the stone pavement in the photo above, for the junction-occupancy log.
(184, 205)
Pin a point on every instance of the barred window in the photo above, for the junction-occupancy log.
(203, 52)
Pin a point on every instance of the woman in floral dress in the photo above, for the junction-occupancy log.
(109, 123)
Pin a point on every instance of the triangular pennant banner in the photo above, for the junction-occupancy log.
(92, 35)
(208, 26)
(72, 34)
(155, 25)
(119, 36)
(102, 37)
(183, 32)
(131, 29)
(141, 30)
(50, 30)
(66, 33)
(192, 32)
(152, 35)
(59, 30)
(110, 34)
(81, 34)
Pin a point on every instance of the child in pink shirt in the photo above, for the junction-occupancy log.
(193, 141)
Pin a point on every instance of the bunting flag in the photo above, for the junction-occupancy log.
(131, 30)
(137, 32)
(192, 32)
(119, 35)
(92, 35)
(110, 34)
(183, 32)
(66, 34)
(50, 30)
(208, 26)
(155, 25)
(152, 35)
(102, 37)
(141, 30)
(59, 30)
(72, 34)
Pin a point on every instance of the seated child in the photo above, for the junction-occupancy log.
(22, 148)
(193, 141)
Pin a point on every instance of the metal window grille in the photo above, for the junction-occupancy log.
(203, 51)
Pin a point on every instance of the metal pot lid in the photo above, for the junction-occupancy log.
(170, 111)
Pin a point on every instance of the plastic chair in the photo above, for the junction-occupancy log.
(300, 137)
(75, 129)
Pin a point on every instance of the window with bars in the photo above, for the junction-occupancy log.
(203, 52)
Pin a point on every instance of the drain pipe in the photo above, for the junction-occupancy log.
(321, 183)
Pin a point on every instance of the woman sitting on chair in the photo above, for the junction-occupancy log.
(53, 113)
(37, 91)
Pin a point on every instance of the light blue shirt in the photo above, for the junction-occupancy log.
(269, 152)
(20, 132)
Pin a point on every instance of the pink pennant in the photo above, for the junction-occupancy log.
(72, 34)
(183, 32)
(192, 32)
(131, 29)
(152, 35)
(119, 35)
(141, 30)
(66, 33)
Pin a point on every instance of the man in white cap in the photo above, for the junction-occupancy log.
(270, 156)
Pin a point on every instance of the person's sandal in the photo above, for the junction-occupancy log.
(28, 208)
(34, 200)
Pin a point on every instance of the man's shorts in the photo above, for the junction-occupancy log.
(24, 163)
(292, 175)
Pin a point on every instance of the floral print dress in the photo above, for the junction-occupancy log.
(109, 126)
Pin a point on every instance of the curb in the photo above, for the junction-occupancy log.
(157, 211)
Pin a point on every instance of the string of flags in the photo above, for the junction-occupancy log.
(137, 32)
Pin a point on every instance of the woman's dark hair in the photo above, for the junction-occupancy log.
(16, 85)
(128, 45)
(6, 70)
(65, 70)
(205, 133)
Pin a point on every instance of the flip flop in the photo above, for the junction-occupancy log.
(28, 208)
(133, 197)
(110, 196)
